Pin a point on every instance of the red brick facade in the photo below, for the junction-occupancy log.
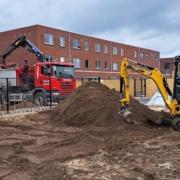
(106, 69)
(167, 65)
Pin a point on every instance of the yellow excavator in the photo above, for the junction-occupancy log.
(172, 100)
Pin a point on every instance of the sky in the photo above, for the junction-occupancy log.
(152, 24)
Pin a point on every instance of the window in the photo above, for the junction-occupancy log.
(115, 51)
(156, 56)
(105, 65)
(86, 63)
(86, 45)
(135, 54)
(49, 57)
(62, 41)
(94, 78)
(45, 69)
(62, 71)
(141, 55)
(113, 78)
(76, 43)
(122, 51)
(97, 47)
(98, 64)
(48, 39)
(105, 49)
(167, 68)
(76, 62)
(62, 59)
(115, 66)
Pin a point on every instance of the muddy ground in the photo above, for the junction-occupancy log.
(46, 146)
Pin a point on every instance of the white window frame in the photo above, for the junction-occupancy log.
(135, 54)
(77, 63)
(62, 41)
(76, 44)
(97, 47)
(48, 39)
(115, 66)
(141, 55)
(115, 51)
(86, 45)
(98, 64)
(122, 51)
(105, 49)
(62, 59)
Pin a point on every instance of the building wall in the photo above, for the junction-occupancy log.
(108, 75)
(19, 55)
(36, 35)
(150, 57)
(163, 65)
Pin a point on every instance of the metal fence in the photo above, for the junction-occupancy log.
(20, 94)
(17, 94)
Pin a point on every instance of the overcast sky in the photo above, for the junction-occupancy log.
(153, 24)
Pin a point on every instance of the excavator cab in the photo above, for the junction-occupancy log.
(176, 94)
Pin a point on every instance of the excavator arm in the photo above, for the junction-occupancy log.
(152, 73)
(21, 42)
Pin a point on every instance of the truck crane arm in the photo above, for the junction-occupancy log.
(170, 99)
(22, 42)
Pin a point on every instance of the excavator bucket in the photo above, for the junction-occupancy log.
(124, 106)
(124, 111)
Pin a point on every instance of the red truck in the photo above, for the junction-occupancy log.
(46, 80)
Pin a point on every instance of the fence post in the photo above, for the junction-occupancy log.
(99, 79)
(7, 95)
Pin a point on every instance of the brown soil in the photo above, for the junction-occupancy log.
(95, 104)
(61, 144)
(20, 105)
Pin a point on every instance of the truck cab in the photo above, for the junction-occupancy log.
(48, 81)
(54, 76)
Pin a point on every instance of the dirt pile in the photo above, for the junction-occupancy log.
(95, 104)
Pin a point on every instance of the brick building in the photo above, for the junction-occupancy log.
(93, 57)
(167, 66)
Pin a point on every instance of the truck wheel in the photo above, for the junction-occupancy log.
(176, 124)
(40, 99)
